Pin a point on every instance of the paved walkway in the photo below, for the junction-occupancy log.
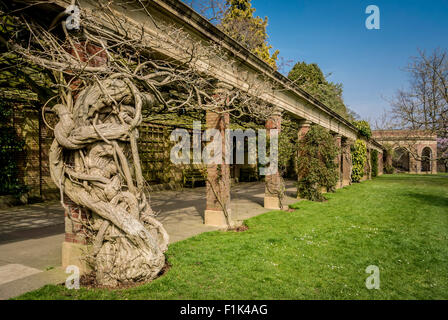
(31, 236)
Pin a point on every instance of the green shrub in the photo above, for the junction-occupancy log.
(315, 164)
(374, 162)
(287, 148)
(388, 153)
(364, 128)
(359, 158)
(388, 169)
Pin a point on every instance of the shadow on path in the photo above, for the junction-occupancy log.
(181, 212)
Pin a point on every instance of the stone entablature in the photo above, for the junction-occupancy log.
(243, 64)
(394, 135)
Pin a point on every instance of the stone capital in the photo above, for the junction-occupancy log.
(336, 135)
(277, 112)
(304, 123)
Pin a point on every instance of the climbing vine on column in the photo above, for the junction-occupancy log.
(374, 162)
(287, 146)
(359, 158)
(315, 164)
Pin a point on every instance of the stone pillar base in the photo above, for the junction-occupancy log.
(272, 203)
(216, 218)
(73, 254)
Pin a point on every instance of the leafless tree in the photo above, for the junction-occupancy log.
(212, 10)
(384, 122)
(424, 105)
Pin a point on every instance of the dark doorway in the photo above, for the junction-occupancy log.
(426, 159)
(400, 160)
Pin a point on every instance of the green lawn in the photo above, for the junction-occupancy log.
(319, 251)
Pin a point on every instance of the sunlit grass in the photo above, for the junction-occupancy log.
(320, 251)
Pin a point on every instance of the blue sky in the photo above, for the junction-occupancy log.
(368, 63)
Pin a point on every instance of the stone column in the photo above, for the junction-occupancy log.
(346, 162)
(337, 160)
(414, 164)
(388, 160)
(434, 160)
(368, 166)
(217, 211)
(380, 164)
(304, 127)
(273, 184)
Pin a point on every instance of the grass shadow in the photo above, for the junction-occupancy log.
(430, 199)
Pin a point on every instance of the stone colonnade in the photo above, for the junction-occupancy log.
(218, 211)
(218, 182)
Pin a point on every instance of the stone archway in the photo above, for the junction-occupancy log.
(426, 159)
(421, 146)
(400, 160)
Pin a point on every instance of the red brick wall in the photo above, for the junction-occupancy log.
(75, 217)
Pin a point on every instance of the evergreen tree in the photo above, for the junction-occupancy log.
(310, 78)
(240, 24)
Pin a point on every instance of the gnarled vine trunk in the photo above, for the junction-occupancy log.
(94, 158)
(95, 161)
